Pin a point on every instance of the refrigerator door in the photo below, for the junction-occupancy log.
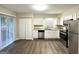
(73, 43)
(78, 44)
(74, 27)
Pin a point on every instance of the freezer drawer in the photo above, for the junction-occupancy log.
(73, 43)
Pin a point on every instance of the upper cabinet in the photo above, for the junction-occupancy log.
(45, 23)
(71, 14)
(77, 14)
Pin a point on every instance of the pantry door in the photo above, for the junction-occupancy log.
(25, 28)
(29, 28)
(22, 28)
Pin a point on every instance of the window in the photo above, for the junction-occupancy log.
(50, 22)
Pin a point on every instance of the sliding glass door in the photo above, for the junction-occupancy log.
(3, 30)
(6, 30)
(0, 32)
(9, 33)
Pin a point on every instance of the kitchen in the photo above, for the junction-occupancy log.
(42, 26)
(46, 23)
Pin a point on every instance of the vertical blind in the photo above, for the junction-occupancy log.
(6, 30)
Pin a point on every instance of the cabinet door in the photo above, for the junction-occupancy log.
(22, 28)
(35, 34)
(51, 34)
(48, 34)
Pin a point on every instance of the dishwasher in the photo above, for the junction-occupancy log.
(40, 34)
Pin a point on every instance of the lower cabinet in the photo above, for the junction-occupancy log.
(35, 34)
(48, 34)
(51, 34)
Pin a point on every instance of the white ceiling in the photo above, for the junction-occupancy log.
(27, 8)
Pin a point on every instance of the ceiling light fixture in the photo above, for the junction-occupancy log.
(40, 7)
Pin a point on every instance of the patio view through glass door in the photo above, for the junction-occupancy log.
(6, 30)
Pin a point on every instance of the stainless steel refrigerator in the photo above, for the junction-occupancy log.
(73, 37)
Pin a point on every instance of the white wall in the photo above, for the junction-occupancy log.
(6, 11)
(24, 15)
(46, 15)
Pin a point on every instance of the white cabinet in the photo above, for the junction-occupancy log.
(77, 15)
(51, 33)
(47, 34)
(35, 33)
(25, 28)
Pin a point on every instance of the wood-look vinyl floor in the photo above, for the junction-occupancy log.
(36, 47)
